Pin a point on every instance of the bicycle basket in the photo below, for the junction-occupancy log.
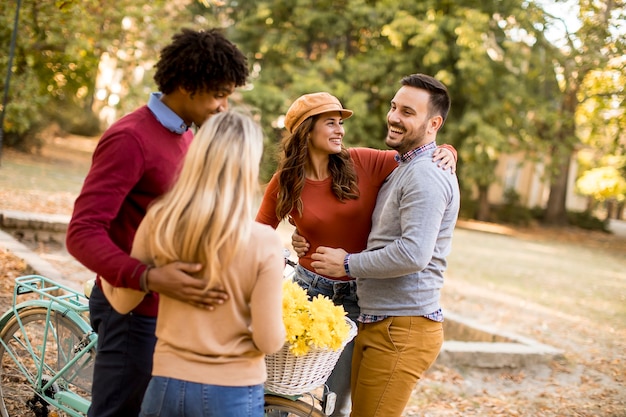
(289, 374)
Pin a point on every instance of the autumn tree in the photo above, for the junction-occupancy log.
(60, 46)
(583, 51)
(359, 50)
(514, 88)
(601, 126)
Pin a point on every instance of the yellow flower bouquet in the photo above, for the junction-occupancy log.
(312, 323)
(317, 331)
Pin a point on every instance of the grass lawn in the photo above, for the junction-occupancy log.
(569, 277)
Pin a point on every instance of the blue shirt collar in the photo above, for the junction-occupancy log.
(166, 116)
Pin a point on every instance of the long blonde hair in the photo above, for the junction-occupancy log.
(208, 213)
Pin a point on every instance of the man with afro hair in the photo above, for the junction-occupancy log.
(136, 161)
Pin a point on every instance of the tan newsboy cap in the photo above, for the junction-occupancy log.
(310, 105)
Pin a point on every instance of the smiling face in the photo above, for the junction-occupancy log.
(327, 134)
(409, 125)
(204, 104)
(197, 107)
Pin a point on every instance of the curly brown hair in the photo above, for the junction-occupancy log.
(293, 156)
(200, 61)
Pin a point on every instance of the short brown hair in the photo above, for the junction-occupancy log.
(439, 102)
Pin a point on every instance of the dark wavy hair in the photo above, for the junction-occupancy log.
(293, 156)
(200, 61)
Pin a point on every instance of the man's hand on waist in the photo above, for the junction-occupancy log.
(329, 261)
(173, 280)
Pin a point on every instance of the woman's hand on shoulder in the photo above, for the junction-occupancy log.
(445, 158)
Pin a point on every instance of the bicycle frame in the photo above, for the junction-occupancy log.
(326, 399)
(71, 304)
(51, 385)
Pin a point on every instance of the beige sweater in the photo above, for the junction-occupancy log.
(226, 346)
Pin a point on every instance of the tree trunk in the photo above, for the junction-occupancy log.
(591, 204)
(556, 213)
(565, 140)
(483, 209)
(610, 210)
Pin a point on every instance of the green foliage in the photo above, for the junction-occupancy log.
(512, 211)
(60, 46)
(508, 95)
(601, 117)
(588, 221)
(359, 50)
(76, 120)
(580, 52)
(601, 123)
(512, 88)
(468, 208)
(46, 69)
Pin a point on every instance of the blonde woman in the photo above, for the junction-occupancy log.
(212, 362)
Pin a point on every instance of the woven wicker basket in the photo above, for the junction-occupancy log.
(289, 374)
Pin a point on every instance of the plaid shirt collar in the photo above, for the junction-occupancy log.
(415, 152)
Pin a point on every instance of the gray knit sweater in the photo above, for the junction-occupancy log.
(401, 271)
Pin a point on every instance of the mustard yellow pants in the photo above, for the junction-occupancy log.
(389, 358)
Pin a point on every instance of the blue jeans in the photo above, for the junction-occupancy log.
(169, 397)
(123, 364)
(342, 293)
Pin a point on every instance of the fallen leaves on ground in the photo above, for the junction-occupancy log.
(588, 381)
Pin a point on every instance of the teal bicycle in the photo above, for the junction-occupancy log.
(47, 352)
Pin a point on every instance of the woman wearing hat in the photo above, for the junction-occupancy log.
(329, 192)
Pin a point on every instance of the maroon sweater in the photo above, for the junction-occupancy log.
(136, 160)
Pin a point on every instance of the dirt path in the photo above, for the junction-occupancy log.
(590, 380)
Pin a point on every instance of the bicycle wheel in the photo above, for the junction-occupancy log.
(277, 406)
(31, 345)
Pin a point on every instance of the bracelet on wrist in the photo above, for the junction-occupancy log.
(143, 279)
(346, 264)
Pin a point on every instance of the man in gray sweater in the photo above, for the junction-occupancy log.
(400, 274)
